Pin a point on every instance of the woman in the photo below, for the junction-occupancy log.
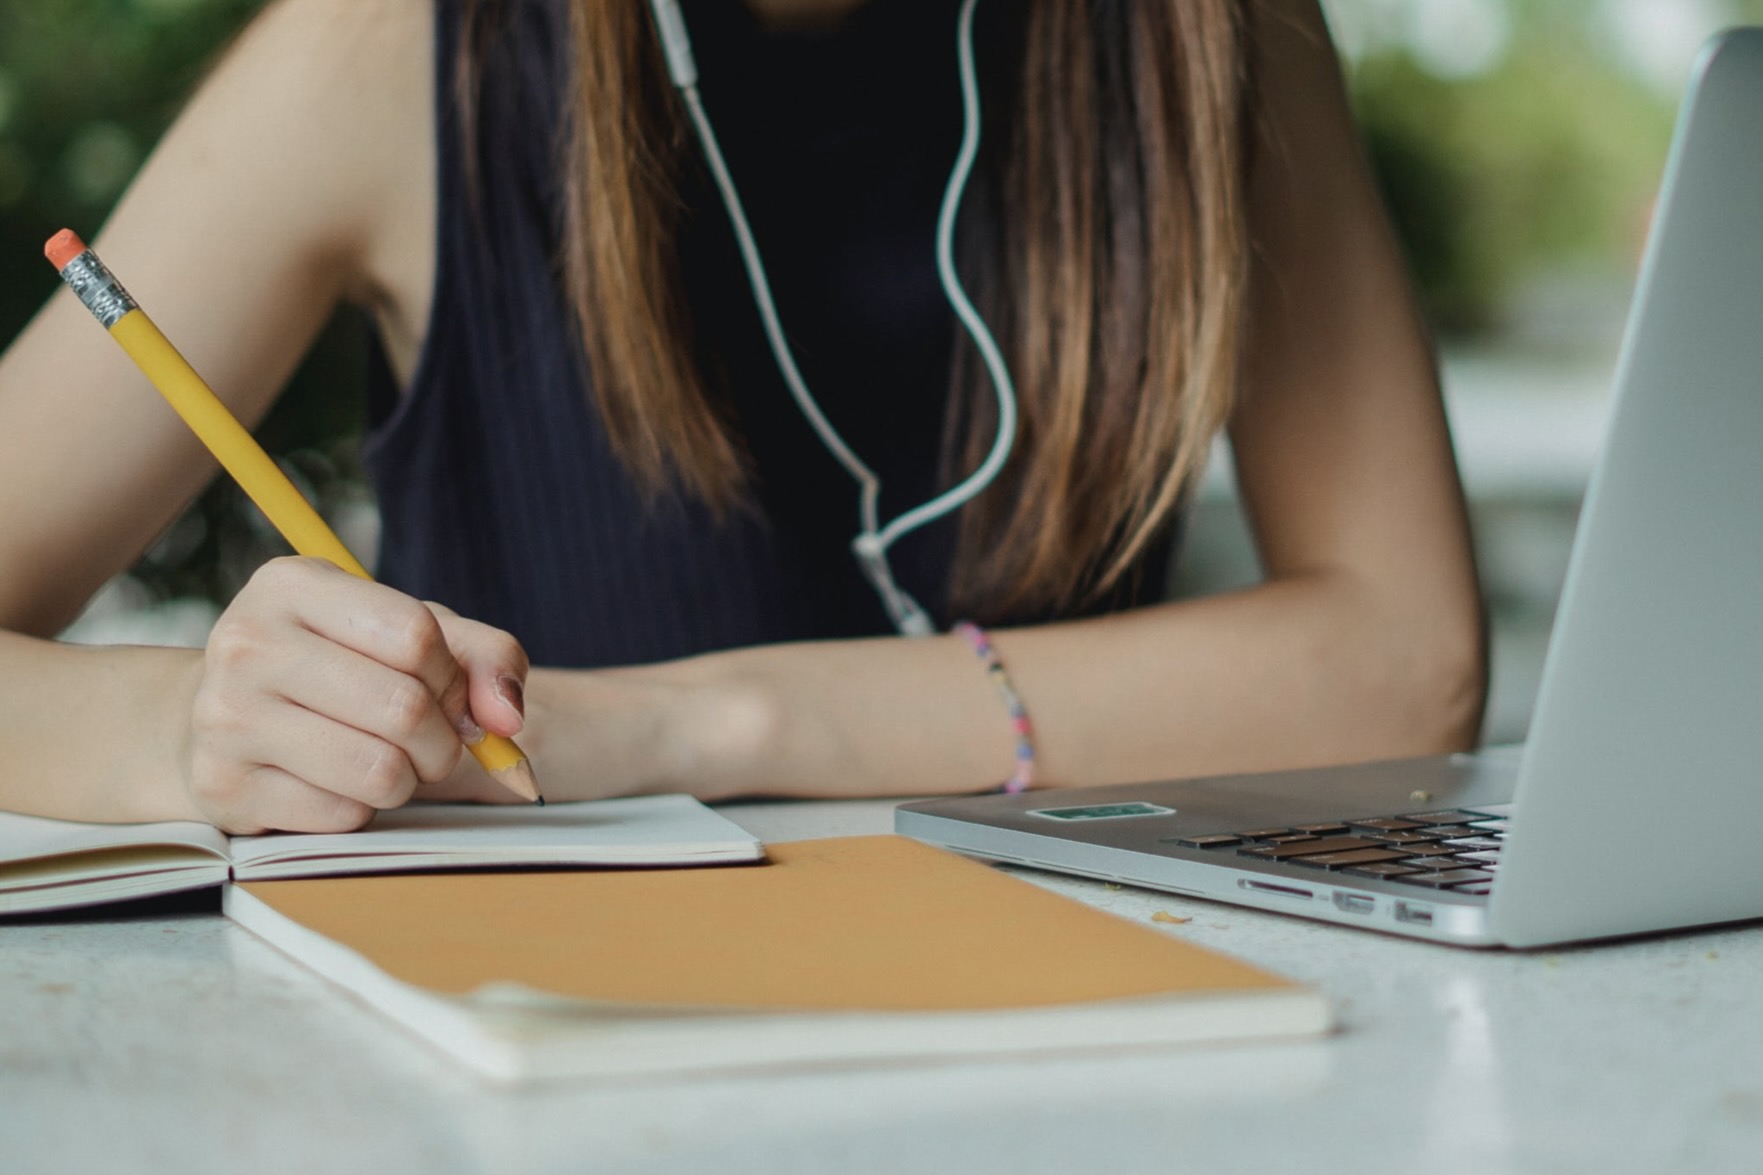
(585, 447)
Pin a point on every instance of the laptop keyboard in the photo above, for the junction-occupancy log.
(1456, 850)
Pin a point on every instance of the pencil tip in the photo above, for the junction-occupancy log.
(518, 778)
(539, 800)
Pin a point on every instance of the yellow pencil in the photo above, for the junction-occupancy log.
(233, 445)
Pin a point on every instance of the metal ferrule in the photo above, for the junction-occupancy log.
(103, 295)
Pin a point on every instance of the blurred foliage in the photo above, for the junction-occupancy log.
(1548, 159)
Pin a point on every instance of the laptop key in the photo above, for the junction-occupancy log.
(1398, 838)
(1342, 860)
(1484, 857)
(1472, 844)
(1444, 830)
(1385, 824)
(1321, 829)
(1498, 824)
(1479, 889)
(1451, 817)
(1379, 869)
(1446, 879)
(1425, 848)
(1216, 840)
(1264, 833)
(1435, 864)
(1326, 844)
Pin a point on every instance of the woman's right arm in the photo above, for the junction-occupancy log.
(300, 176)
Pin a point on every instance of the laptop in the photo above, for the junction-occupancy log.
(1636, 804)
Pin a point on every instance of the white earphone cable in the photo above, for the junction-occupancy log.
(774, 331)
(873, 540)
(1002, 387)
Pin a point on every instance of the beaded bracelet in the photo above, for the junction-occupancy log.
(1024, 775)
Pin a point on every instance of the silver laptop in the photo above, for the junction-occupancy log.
(1637, 802)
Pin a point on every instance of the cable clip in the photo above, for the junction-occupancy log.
(909, 617)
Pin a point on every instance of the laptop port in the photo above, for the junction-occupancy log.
(1419, 915)
(1355, 903)
(1283, 891)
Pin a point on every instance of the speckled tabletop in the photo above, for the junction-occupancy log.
(167, 1039)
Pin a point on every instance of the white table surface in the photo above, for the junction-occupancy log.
(176, 1042)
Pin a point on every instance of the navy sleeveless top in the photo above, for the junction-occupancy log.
(498, 490)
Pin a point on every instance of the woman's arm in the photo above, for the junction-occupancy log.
(301, 175)
(261, 209)
(1364, 641)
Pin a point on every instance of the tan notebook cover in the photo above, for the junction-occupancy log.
(859, 923)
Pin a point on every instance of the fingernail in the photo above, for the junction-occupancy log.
(513, 694)
(469, 731)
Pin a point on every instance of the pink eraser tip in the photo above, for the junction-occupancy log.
(63, 247)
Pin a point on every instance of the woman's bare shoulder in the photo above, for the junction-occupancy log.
(310, 138)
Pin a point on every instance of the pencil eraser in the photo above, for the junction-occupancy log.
(63, 247)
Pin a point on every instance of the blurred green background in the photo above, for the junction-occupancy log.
(1518, 142)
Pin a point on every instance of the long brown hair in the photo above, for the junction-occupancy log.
(1111, 266)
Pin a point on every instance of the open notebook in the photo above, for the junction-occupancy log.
(855, 949)
(55, 864)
